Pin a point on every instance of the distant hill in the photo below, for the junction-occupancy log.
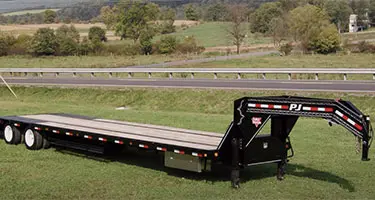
(17, 5)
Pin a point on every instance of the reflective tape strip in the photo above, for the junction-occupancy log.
(161, 149)
(346, 118)
(320, 109)
(37, 128)
(15, 124)
(197, 154)
(269, 106)
(178, 151)
(55, 131)
(88, 137)
(103, 139)
(70, 134)
(119, 142)
(143, 146)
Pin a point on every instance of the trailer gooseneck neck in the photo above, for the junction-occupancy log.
(239, 147)
(252, 113)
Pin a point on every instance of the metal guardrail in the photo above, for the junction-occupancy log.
(192, 71)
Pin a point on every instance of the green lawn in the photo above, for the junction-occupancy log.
(325, 165)
(87, 61)
(212, 34)
(295, 61)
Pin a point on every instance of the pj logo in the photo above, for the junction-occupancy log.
(295, 107)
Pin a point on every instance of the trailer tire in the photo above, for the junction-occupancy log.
(12, 135)
(46, 144)
(33, 140)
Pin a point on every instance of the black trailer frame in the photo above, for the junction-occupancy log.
(239, 147)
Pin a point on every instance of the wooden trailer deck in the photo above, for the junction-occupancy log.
(129, 130)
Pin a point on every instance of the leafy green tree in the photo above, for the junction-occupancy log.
(339, 11)
(216, 12)
(328, 41)
(21, 45)
(49, 16)
(136, 17)
(191, 12)
(167, 17)
(279, 30)
(44, 42)
(168, 44)
(371, 13)
(65, 31)
(109, 16)
(84, 47)
(97, 33)
(260, 19)
(6, 41)
(306, 23)
(238, 16)
(362, 7)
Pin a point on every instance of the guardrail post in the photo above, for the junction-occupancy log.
(192, 75)
(110, 74)
(373, 77)
(25, 73)
(316, 76)
(170, 75)
(74, 74)
(130, 75)
(239, 76)
(345, 77)
(92, 75)
(57, 74)
(215, 75)
(264, 76)
(149, 75)
(41, 74)
(289, 76)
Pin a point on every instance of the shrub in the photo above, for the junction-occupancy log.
(167, 44)
(167, 27)
(21, 45)
(328, 41)
(189, 45)
(97, 33)
(6, 41)
(44, 42)
(68, 47)
(84, 47)
(123, 50)
(286, 49)
(65, 31)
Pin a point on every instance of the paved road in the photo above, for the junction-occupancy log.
(343, 86)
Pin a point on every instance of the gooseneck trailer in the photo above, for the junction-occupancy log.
(240, 146)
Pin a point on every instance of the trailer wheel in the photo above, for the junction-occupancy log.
(12, 135)
(33, 140)
(46, 144)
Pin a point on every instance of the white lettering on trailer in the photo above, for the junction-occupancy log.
(296, 107)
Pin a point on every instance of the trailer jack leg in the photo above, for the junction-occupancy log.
(281, 169)
(235, 174)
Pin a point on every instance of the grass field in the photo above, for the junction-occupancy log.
(88, 61)
(213, 34)
(325, 164)
(24, 12)
(295, 61)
